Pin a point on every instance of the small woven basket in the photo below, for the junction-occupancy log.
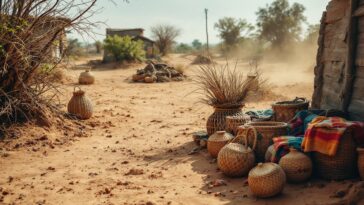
(217, 121)
(86, 78)
(233, 122)
(79, 105)
(297, 166)
(266, 132)
(217, 141)
(361, 162)
(236, 159)
(341, 166)
(286, 110)
(266, 180)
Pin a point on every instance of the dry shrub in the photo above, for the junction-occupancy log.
(222, 86)
(202, 59)
(29, 30)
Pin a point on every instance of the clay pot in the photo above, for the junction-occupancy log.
(217, 141)
(297, 166)
(236, 159)
(266, 180)
(361, 162)
(80, 106)
(86, 78)
(138, 78)
(150, 79)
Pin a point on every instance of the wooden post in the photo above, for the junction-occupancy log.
(350, 69)
(207, 33)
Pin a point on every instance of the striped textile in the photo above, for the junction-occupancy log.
(323, 134)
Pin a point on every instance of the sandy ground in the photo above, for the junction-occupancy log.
(136, 149)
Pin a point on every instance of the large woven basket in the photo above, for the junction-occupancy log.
(217, 141)
(361, 162)
(286, 110)
(341, 166)
(233, 122)
(217, 121)
(266, 132)
(266, 180)
(236, 159)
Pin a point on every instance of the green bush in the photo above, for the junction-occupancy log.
(124, 48)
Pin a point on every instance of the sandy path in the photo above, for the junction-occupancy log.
(137, 153)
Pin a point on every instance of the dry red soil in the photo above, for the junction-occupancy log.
(135, 150)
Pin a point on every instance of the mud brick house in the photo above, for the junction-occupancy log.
(339, 71)
(136, 34)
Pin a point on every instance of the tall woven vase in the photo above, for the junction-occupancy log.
(80, 106)
(217, 121)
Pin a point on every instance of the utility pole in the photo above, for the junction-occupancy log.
(207, 32)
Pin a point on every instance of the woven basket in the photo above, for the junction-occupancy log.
(217, 121)
(361, 162)
(86, 78)
(286, 110)
(233, 122)
(217, 141)
(266, 132)
(80, 106)
(266, 180)
(297, 166)
(341, 166)
(236, 159)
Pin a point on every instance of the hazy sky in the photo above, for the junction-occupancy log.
(188, 15)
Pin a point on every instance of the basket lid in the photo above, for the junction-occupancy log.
(220, 136)
(239, 148)
(264, 169)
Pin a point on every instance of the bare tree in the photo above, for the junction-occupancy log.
(165, 36)
(29, 30)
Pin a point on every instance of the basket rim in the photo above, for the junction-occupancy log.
(284, 104)
(268, 124)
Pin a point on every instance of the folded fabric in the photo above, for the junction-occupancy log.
(298, 125)
(324, 133)
(282, 145)
(260, 115)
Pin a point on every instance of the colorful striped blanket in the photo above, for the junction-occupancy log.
(282, 145)
(323, 134)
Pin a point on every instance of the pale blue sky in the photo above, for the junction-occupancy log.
(188, 15)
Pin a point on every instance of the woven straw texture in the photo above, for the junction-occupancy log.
(284, 112)
(217, 141)
(80, 106)
(217, 121)
(233, 122)
(297, 166)
(361, 162)
(266, 132)
(341, 166)
(266, 180)
(86, 78)
(236, 159)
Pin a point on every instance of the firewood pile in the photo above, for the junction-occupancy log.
(158, 72)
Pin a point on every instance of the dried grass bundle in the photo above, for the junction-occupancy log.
(222, 86)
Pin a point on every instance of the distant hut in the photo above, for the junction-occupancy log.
(339, 71)
(135, 34)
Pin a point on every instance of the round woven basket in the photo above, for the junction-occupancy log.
(286, 110)
(236, 159)
(297, 166)
(80, 106)
(266, 132)
(217, 141)
(361, 162)
(341, 166)
(86, 78)
(217, 121)
(266, 180)
(233, 122)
